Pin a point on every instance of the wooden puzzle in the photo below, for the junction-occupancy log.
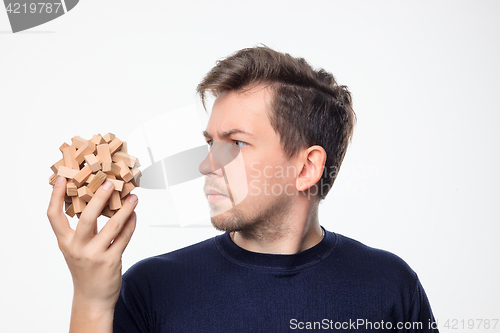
(87, 164)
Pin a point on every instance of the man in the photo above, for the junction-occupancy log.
(275, 269)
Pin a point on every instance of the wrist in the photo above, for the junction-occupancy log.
(91, 316)
(93, 307)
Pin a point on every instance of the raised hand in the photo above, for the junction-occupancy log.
(94, 259)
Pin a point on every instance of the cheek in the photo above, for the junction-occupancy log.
(266, 179)
(236, 175)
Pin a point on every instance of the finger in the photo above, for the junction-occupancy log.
(121, 241)
(55, 213)
(115, 224)
(88, 219)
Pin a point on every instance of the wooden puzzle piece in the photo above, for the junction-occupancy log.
(108, 212)
(87, 148)
(118, 184)
(104, 157)
(125, 173)
(71, 189)
(78, 204)
(64, 171)
(108, 137)
(97, 180)
(56, 165)
(115, 170)
(87, 164)
(69, 156)
(85, 193)
(77, 142)
(137, 175)
(52, 179)
(70, 210)
(97, 139)
(115, 145)
(127, 188)
(115, 202)
(82, 175)
(92, 162)
(64, 145)
(129, 160)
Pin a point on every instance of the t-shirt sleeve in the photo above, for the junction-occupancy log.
(421, 312)
(132, 313)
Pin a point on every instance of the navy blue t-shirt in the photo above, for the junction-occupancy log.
(216, 286)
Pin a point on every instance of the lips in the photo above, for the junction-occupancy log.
(213, 192)
(215, 197)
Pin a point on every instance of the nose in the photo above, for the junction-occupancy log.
(207, 165)
(220, 154)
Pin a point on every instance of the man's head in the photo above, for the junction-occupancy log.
(296, 115)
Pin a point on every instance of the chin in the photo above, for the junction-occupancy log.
(222, 222)
(228, 221)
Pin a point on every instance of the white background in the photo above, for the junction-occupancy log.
(420, 179)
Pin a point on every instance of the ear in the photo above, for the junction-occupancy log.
(314, 159)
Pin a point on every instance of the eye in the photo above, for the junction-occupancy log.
(210, 143)
(239, 143)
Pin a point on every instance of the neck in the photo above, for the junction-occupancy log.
(300, 231)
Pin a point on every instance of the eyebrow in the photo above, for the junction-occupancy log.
(225, 134)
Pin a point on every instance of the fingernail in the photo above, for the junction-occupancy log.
(107, 185)
(59, 181)
(132, 199)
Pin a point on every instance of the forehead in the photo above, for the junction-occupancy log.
(246, 110)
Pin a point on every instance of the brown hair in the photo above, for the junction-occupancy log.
(308, 108)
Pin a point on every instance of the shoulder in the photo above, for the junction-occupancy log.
(386, 278)
(170, 262)
(373, 262)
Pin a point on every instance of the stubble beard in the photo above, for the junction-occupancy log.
(265, 223)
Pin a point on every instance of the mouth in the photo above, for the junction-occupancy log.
(214, 196)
